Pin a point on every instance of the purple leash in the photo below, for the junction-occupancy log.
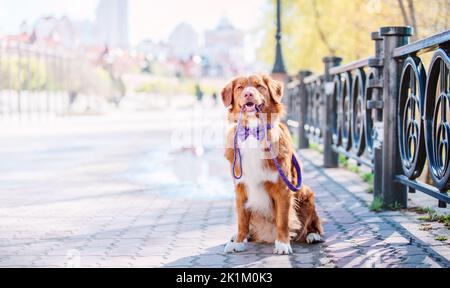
(237, 153)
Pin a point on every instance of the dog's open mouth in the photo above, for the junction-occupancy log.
(250, 107)
(253, 107)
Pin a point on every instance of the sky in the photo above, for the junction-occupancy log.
(153, 19)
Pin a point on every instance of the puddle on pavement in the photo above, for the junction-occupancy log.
(184, 173)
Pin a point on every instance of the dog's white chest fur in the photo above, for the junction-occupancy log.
(254, 174)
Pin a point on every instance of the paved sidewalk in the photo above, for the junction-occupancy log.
(120, 197)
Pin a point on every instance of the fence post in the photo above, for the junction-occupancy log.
(377, 103)
(330, 157)
(19, 81)
(2, 87)
(393, 193)
(303, 142)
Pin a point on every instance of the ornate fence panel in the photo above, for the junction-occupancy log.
(33, 80)
(387, 112)
(315, 103)
(423, 116)
(351, 128)
(40, 81)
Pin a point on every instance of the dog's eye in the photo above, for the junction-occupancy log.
(240, 87)
(259, 87)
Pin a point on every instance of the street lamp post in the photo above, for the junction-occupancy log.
(279, 70)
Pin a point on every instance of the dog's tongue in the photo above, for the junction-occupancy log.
(250, 107)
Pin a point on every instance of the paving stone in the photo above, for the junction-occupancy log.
(56, 261)
(153, 250)
(395, 240)
(211, 260)
(303, 265)
(350, 252)
(116, 261)
(237, 260)
(304, 258)
(340, 246)
(359, 261)
(18, 261)
(147, 262)
(187, 261)
(278, 261)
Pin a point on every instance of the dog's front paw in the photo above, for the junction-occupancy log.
(282, 248)
(313, 238)
(234, 247)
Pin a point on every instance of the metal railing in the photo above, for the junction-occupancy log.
(54, 81)
(386, 112)
(34, 80)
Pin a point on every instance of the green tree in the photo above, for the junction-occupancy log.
(313, 29)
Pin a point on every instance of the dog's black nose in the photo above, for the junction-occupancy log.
(248, 94)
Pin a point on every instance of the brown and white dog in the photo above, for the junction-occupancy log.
(267, 211)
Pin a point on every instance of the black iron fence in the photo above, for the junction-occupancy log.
(34, 80)
(386, 112)
(47, 81)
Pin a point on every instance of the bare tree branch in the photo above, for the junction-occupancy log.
(437, 15)
(447, 10)
(320, 30)
(412, 14)
(404, 14)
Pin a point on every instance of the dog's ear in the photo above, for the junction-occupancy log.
(275, 88)
(227, 94)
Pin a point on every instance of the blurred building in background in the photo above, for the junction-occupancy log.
(54, 31)
(110, 29)
(112, 23)
(47, 31)
(153, 51)
(87, 32)
(218, 52)
(223, 50)
(183, 42)
(104, 41)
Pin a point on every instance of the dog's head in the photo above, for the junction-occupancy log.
(255, 93)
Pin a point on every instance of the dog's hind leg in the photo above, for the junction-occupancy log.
(311, 230)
